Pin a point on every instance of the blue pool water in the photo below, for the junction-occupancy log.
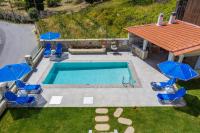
(92, 73)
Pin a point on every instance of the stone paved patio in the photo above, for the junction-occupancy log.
(102, 96)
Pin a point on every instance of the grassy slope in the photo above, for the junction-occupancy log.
(105, 20)
(79, 120)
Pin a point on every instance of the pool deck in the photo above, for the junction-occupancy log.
(142, 95)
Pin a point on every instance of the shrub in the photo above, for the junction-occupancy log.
(52, 3)
(39, 4)
(33, 14)
(92, 1)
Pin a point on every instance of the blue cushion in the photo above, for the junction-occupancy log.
(32, 87)
(166, 96)
(23, 100)
(10, 96)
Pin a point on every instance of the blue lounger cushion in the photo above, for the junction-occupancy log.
(13, 98)
(172, 97)
(58, 49)
(22, 100)
(27, 87)
(47, 50)
(162, 85)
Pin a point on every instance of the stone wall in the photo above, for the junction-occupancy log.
(123, 43)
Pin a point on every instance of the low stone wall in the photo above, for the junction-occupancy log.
(139, 52)
(122, 42)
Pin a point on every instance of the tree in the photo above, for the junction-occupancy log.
(38, 4)
(92, 1)
(51, 3)
(33, 14)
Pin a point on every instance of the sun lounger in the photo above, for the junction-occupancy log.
(36, 89)
(21, 100)
(58, 52)
(169, 98)
(47, 51)
(162, 85)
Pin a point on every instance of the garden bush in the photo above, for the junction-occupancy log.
(92, 1)
(33, 14)
(52, 3)
(39, 4)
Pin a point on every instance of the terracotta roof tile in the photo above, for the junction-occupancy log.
(177, 38)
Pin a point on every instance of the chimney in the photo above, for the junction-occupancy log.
(160, 20)
(172, 19)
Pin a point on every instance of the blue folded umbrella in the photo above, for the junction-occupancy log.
(177, 70)
(14, 71)
(50, 35)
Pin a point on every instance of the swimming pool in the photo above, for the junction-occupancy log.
(90, 73)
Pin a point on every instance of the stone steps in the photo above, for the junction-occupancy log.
(103, 118)
(129, 129)
(101, 111)
(102, 127)
(118, 112)
(124, 121)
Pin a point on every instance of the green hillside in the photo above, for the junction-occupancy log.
(106, 19)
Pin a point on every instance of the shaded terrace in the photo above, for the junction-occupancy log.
(179, 41)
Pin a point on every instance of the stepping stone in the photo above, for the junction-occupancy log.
(104, 118)
(101, 111)
(129, 129)
(118, 112)
(125, 121)
(102, 127)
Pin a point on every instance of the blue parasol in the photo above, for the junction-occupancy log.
(14, 72)
(50, 35)
(177, 70)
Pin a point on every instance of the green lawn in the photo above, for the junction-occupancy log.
(79, 120)
(105, 20)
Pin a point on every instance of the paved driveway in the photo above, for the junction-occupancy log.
(16, 40)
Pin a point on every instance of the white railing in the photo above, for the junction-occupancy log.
(129, 83)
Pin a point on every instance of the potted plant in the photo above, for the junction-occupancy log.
(114, 46)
